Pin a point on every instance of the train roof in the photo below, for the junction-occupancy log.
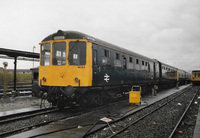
(180, 70)
(196, 71)
(165, 64)
(79, 35)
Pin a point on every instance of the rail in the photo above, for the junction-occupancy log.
(21, 86)
(158, 103)
(22, 116)
(184, 113)
(144, 116)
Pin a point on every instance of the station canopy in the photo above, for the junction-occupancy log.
(17, 53)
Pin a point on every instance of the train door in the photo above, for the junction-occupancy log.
(106, 74)
(124, 63)
(160, 70)
(156, 71)
(124, 70)
(95, 65)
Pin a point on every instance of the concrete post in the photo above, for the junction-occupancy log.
(15, 73)
(177, 85)
(155, 90)
(152, 92)
(5, 87)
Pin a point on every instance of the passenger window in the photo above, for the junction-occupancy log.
(117, 61)
(137, 61)
(130, 64)
(106, 53)
(130, 59)
(106, 58)
(77, 53)
(117, 56)
(143, 63)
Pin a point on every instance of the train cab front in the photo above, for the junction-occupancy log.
(195, 77)
(65, 67)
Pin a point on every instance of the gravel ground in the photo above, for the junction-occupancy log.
(32, 121)
(158, 124)
(187, 125)
(11, 103)
(24, 102)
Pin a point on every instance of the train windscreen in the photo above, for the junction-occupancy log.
(196, 74)
(77, 53)
(59, 53)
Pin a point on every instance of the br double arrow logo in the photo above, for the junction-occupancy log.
(106, 77)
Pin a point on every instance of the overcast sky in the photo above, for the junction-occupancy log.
(167, 30)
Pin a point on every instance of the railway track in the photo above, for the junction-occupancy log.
(73, 114)
(184, 114)
(89, 125)
(24, 115)
(155, 110)
(13, 119)
(33, 119)
(137, 123)
(120, 125)
(48, 116)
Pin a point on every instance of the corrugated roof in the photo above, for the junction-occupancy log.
(17, 53)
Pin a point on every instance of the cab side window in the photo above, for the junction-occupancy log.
(95, 57)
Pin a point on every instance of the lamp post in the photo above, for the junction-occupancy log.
(33, 58)
(5, 64)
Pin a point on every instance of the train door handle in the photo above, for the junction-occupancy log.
(99, 68)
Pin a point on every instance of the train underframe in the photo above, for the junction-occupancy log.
(86, 97)
(196, 83)
(97, 96)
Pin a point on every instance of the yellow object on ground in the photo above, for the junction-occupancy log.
(134, 94)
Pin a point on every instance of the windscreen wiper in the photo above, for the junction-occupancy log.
(74, 45)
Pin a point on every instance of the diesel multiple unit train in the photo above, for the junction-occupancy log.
(76, 68)
(195, 77)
